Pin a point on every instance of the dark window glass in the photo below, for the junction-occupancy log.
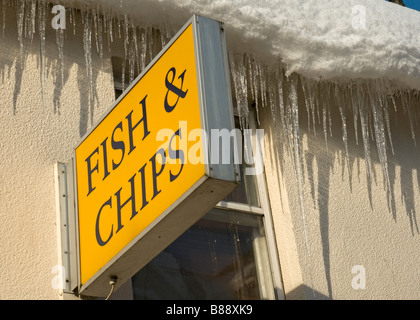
(214, 259)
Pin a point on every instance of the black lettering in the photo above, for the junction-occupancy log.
(174, 89)
(131, 128)
(175, 154)
(154, 172)
(106, 171)
(98, 234)
(117, 145)
(143, 187)
(91, 170)
(132, 198)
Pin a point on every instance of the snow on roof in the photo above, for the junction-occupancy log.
(320, 39)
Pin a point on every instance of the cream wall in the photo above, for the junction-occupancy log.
(344, 228)
(33, 138)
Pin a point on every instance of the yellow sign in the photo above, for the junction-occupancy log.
(134, 165)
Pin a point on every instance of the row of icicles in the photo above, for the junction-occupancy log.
(368, 103)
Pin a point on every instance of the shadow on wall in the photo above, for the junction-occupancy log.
(325, 147)
(52, 62)
(304, 292)
(89, 38)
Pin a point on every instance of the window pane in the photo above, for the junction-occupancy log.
(247, 191)
(214, 259)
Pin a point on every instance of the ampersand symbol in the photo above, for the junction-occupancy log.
(172, 88)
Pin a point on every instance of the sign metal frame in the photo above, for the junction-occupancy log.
(216, 112)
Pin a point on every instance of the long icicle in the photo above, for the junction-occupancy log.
(297, 156)
(3, 5)
(87, 46)
(339, 96)
(379, 130)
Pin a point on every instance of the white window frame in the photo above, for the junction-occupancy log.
(263, 210)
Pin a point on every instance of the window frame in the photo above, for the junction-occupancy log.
(263, 210)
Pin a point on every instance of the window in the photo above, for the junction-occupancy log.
(229, 254)
(214, 259)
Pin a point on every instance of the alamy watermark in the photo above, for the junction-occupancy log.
(219, 146)
(59, 279)
(359, 280)
(59, 20)
(359, 17)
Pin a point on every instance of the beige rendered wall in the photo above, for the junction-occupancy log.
(33, 138)
(350, 223)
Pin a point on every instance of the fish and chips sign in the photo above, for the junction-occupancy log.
(147, 171)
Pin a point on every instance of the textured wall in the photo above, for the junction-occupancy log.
(349, 222)
(33, 138)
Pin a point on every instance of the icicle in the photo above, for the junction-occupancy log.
(72, 20)
(408, 105)
(95, 26)
(31, 21)
(132, 56)
(324, 123)
(110, 37)
(293, 122)
(355, 110)
(238, 70)
(87, 46)
(165, 36)
(281, 98)
(329, 113)
(306, 96)
(383, 101)
(100, 37)
(60, 46)
(273, 94)
(126, 45)
(3, 4)
(42, 11)
(143, 49)
(276, 91)
(263, 83)
(340, 103)
(294, 129)
(136, 53)
(20, 19)
(363, 113)
(393, 102)
(379, 135)
(119, 27)
(324, 97)
(309, 95)
(149, 43)
(59, 83)
(313, 89)
(388, 126)
(254, 78)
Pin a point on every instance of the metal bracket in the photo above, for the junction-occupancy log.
(66, 219)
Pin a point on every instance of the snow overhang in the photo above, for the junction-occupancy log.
(320, 39)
